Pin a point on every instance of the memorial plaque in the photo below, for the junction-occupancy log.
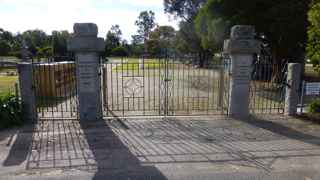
(312, 88)
(86, 73)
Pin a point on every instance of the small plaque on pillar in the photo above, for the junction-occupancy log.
(86, 72)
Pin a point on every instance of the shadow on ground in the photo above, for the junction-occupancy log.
(21, 146)
(113, 159)
(135, 149)
(276, 125)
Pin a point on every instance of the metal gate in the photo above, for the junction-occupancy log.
(164, 87)
(55, 90)
(267, 88)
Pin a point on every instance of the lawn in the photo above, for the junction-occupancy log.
(310, 74)
(7, 83)
(8, 69)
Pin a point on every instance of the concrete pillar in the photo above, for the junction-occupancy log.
(87, 48)
(292, 89)
(241, 46)
(27, 91)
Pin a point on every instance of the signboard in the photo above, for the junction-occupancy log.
(312, 88)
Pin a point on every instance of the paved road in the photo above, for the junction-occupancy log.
(206, 148)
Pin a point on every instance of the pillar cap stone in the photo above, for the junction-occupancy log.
(85, 29)
(242, 32)
(85, 39)
(242, 41)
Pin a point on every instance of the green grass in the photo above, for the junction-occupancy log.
(7, 83)
(310, 74)
(8, 69)
(133, 64)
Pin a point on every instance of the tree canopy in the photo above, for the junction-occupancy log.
(282, 22)
(313, 47)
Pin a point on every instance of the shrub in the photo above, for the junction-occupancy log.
(10, 111)
(119, 51)
(314, 107)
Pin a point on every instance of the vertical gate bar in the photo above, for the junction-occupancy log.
(264, 89)
(122, 88)
(183, 86)
(302, 96)
(51, 83)
(172, 79)
(103, 66)
(221, 84)
(112, 86)
(216, 85)
(107, 97)
(208, 86)
(70, 80)
(255, 106)
(65, 98)
(149, 99)
(188, 93)
(42, 90)
(133, 98)
(159, 93)
(57, 65)
(127, 87)
(138, 77)
(36, 87)
(154, 86)
(117, 87)
(143, 79)
(270, 90)
(198, 90)
(178, 88)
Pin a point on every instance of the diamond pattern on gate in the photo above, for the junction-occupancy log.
(133, 87)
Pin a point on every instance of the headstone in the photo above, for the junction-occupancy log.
(87, 48)
(241, 46)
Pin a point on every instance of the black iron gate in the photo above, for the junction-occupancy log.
(164, 87)
(55, 90)
(267, 88)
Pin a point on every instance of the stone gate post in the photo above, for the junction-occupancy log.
(241, 46)
(292, 89)
(27, 91)
(87, 48)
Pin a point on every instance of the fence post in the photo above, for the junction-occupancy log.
(241, 46)
(87, 47)
(292, 89)
(27, 93)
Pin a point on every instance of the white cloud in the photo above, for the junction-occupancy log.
(20, 15)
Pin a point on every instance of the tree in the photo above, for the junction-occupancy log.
(59, 43)
(161, 40)
(113, 39)
(35, 39)
(4, 48)
(119, 51)
(313, 46)
(282, 22)
(187, 40)
(145, 23)
(185, 9)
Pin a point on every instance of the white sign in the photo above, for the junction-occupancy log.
(313, 88)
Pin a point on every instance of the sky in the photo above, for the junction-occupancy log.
(47, 15)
